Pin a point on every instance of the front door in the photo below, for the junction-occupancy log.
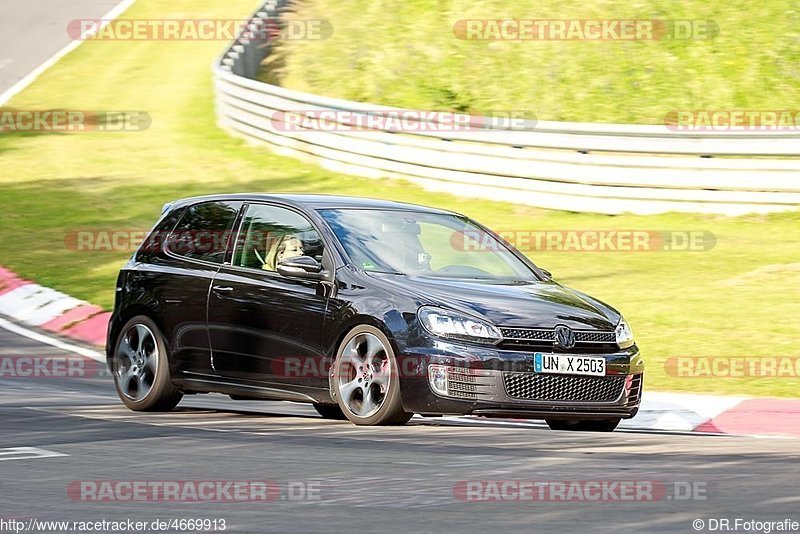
(266, 328)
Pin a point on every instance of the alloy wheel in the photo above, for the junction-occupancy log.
(365, 375)
(137, 362)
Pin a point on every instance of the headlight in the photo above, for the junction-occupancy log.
(624, 334)
(453, 325)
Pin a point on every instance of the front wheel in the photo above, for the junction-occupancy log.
(365, 381)
(584, 425)
(141, 369)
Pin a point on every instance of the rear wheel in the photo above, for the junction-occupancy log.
(584, 425)
(330, 411)
(141, 369)
(365, 381)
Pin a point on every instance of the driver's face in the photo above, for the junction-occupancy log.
(293, 248)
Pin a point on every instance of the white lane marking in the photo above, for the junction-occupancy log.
(97, 414)
(243, 421)
(189, 419)
(27, 453)
(462, 419)
(53, 342)
(467, 420)
(261, 431)
(35, 73)
(781, 500)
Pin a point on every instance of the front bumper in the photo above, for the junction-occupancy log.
(501, 383)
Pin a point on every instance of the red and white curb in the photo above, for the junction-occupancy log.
(717, 414)
(692, 414)
(30, 305)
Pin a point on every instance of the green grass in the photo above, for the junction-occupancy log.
(404, 53)
(738, 299)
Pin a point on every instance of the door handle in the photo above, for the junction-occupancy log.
(221, 289)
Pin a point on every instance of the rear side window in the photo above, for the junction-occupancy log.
(204, 231)
(154, 243)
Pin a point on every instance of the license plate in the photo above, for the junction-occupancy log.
(563, 364)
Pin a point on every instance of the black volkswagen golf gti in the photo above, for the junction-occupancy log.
(370, 310)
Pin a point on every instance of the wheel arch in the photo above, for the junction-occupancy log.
(359, 320)
(126, 314)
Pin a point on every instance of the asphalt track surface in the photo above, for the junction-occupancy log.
(31, 31)
(364, 479)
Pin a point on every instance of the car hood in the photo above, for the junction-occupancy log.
(542, 304)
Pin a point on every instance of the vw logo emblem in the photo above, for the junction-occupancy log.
(565, 337)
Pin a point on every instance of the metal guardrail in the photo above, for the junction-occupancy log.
(604, 168)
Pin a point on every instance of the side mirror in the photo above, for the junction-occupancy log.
(301, 267)
(546, 273)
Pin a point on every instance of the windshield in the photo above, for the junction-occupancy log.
(423, 244)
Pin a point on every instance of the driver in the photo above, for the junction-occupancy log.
(290, 246)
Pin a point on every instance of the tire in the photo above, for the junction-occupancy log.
(330, 411)
(364, 379)
(140, 367)
(584, 425)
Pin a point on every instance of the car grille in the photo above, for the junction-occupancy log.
(462, 385)
(533, 386)
(581, 336)
(586, 341)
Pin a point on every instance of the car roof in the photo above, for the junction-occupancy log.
(309, 201)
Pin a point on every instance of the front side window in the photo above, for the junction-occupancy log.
(270, 234)
(424, 244)
(204, 230)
